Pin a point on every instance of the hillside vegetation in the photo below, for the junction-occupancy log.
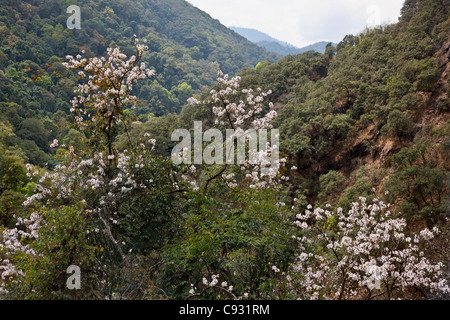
(363, 184)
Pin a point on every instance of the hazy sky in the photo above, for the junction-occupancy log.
(303, 22)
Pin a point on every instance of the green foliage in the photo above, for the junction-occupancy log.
(399, 125)
(13, 174)
(420, 182)
(34, 130)
(369, 84)
(150, 220)
(237, 236)
(63, 241)
(331, 184)
(10, 207)
(366, 180)
(159, 128)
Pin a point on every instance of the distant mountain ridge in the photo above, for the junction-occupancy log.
(277, 46)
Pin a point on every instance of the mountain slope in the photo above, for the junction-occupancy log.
(187, 44)
(278, 48)
(190, 27)
(257, 36)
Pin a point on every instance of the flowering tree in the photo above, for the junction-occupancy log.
(244, 112)
(240, 108)
(363, 254)
(106, 92)
(118, 197)
(236, 219)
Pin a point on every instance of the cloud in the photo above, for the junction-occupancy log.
(302, 22)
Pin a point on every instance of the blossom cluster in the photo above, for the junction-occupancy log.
(213, 284)
(107, 86)
(239, 107)
(366, 246)
(245, 112)
(17, 240)
(84, 181)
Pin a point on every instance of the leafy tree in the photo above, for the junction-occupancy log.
(33, 129)
(331, 184)
(13, 173)
(399, 125)
(129, 196)
(420, 183)
(10, 207)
